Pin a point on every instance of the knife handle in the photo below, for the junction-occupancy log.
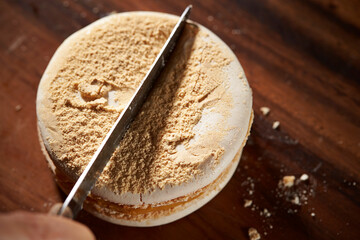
(54, 210)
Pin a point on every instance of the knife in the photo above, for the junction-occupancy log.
(74, 201)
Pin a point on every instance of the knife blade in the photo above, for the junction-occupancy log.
(93, 170)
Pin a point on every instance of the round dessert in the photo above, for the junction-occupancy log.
(183, 146)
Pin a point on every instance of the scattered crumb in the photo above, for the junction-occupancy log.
(295, 190)
(276, 124)
(247, 203)
(249, 182)
(253, 234)
(265, 111)
(266, 213)
(304, 177)
(312, 214)
(296, 200)
(18, 108)
(288, 181)
(210, 18)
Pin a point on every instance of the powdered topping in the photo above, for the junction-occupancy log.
(98, 78)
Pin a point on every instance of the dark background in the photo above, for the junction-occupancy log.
(302, 59)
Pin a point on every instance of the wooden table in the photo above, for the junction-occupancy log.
(302, 59)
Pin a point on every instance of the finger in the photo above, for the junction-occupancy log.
(54, 210)
(25, 225)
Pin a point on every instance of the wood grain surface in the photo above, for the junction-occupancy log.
(302, 60)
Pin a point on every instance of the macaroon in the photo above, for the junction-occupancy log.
(183, 146)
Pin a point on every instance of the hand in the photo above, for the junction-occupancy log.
(28, 225)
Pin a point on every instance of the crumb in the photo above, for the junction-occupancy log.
(250, 183)
(296, 200)
(253, 234)
(304, 177)
(312, 214)
(288, 181)
(295, 190)
(265, 110)
(18, 108)
(210, 18)
(276, 124)
(266, 213)
(247, 203)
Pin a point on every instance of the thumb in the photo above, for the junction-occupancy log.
(26, 225)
